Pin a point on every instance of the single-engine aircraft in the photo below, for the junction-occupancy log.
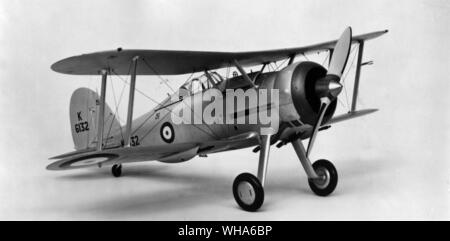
(308, 95)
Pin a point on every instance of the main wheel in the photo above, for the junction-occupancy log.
(248, 192)
(116, 170)
(328, 178)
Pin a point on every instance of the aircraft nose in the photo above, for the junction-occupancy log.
(328, 87)
(334, 88)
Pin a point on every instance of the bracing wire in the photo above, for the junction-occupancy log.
(212, 134)
(326, 57)
(159, 76)
(115, 114)
(139, 91)
(164, 81)
(281, 64)
(117, 104)
(345, 75)
(305, 56)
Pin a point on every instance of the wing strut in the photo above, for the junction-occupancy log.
(291, 59)
(101, 114)
(330, 55)
(131, 102)
(244, 74)
(357, 75)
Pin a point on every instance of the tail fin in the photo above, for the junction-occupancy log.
(84, 110)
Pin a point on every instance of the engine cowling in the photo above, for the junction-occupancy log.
(299, 99)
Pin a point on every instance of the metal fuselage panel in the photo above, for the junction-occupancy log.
(147, 130)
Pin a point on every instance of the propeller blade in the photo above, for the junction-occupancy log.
(328, 88)
(324, 103)
(341, 53)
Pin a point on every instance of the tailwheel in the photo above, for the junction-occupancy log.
(328, 178)
(116, 170)
(248, 192)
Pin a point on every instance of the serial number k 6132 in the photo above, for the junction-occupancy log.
(82, 126)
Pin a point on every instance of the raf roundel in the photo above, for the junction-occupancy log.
(167, 132)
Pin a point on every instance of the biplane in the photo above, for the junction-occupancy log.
(307, 99)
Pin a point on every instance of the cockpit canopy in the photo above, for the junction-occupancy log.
(203, 82)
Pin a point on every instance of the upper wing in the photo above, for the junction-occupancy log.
(171, 62)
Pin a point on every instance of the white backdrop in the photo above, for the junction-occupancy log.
(393, 164)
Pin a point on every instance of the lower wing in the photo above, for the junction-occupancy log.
(76, 160)
(351, 115)
(165, 153)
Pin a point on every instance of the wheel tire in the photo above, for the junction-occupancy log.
(116, 170)
(248, 183)
(324, 187)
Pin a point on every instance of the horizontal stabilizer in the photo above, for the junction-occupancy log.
(73, 153)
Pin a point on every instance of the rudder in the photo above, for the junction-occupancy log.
(84, 109)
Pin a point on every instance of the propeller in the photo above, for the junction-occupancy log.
(328, 88)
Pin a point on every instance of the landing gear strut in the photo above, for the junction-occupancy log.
(322, 175)
(116, 170)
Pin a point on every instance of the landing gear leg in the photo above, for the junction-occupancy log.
(116, 170)
(248, 190)
(322, 175)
